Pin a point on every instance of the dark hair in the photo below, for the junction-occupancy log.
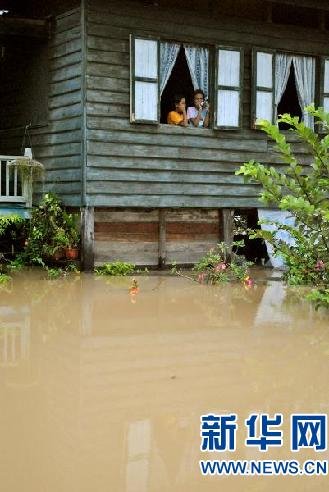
(198, 91)
(178, 98)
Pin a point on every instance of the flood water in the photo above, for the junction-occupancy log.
(102, 391)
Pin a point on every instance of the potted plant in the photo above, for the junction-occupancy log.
(51, 232)
(72, 249)
(59, 244)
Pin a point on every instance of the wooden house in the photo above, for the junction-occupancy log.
(87, 84)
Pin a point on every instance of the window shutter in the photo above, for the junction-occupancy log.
(144, 80)
(263, 93)
(324, 96)
(229, 76)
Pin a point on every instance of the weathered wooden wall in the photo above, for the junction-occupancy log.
(165, 166)
(47, 93)
(155, 236)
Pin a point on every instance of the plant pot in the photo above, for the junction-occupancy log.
(72, 253)
(58, 255)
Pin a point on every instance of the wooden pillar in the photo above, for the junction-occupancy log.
(228, 227)
(162, 238)
(87, 238)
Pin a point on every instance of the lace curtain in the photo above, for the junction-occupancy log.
(168, 56)
(305, 82)
(282, 72)
(198, 60)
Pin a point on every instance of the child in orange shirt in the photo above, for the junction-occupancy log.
(178, 117)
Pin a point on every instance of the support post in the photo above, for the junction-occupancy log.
(87, 238)
(228, 225)
(162, 238)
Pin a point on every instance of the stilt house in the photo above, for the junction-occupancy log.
(88, 85)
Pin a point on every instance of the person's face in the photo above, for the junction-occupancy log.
(198, 100)
(181, 105)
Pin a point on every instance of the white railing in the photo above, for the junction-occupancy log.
(11, 188)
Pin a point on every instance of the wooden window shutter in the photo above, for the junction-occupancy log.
(144, 80)
(228, 95)
(263, 86)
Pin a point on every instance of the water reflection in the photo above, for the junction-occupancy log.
(99, 393)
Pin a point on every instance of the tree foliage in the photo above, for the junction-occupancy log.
(302, 190)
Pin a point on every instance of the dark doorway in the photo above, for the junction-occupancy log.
(289, 101)
(254, 249)
(179, 82)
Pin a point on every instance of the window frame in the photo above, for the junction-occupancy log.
(134, 79)
(216, 87)
(323, 94)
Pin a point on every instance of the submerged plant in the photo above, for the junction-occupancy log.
(54, 273)
(116, 268)
(320, 297)
(17, 264)
(222, 264)
(4, 279)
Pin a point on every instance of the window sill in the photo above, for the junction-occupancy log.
(184, 129)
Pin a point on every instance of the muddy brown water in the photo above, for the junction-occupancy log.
(102, 391)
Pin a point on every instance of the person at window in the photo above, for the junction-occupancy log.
(198, 115)
(178, 117)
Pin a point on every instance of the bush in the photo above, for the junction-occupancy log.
(302, 191)
(220, 265)
(51, 229)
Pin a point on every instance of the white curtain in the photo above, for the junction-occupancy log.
(282, 72)
(198, 62)
(168, 56)
(305, 82)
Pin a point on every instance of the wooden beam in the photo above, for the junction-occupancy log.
(87, 238)
(228, 232)
(313, 4)
(16, 26)
(162, 237)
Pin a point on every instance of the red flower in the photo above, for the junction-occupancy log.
(220, 267)
(320, 265)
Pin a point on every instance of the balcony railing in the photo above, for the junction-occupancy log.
(12, 190)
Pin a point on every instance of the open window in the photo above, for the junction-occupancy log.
(179, 81)
(183, 69)
(282, 83)
(161, 69)
(229, 75)
(289, 102)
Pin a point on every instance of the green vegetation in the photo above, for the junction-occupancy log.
(7, 221)
(302, 191)
(116, 268)
(51, 230)
(4, 279)
(220, 264)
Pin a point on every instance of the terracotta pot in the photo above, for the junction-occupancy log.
(58, 255)
(72, 253)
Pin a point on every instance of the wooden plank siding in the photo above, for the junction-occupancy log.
(57, 136)
(161, 165)
(58, 146)
(134, 235)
